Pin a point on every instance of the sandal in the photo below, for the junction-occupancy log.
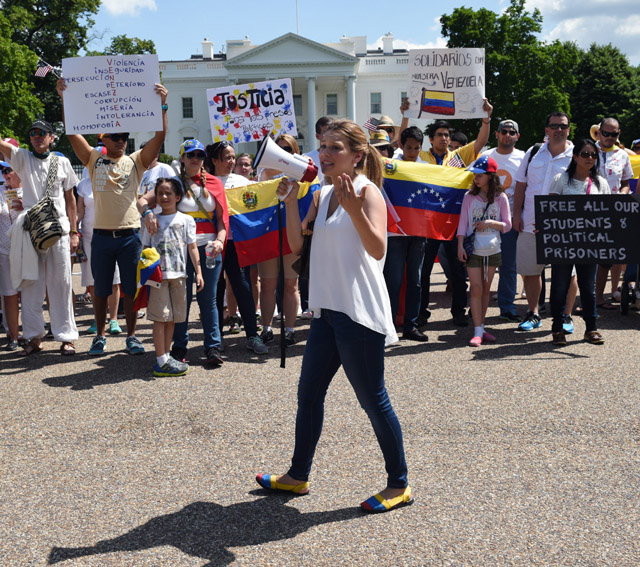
(607, 306)
(67, 349)
(32, 347)
(270, 482)
(377, 504)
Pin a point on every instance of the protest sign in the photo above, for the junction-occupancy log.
(248, 113)
(111, 93)
(593, 229)
(446, 83)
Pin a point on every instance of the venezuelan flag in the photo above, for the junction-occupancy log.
(253, 216)
(438, 102)
(635, 164)
(426, 197)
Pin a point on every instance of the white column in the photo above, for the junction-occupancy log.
(311, 113)
(351, 97)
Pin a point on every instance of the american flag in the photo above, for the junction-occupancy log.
(43, 69)
(456, 161)
(372, 124)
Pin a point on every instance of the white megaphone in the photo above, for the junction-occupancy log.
(271, 156)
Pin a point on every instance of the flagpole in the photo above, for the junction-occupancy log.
(283, 348)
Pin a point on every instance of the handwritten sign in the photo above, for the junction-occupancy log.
(111, 94)
(248, 113)
(446, 83)
(594, 229)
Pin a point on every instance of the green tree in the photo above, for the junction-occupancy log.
(53, 30)
(525, 78)
(630, 117)
(18, 105)
(604, 87)
(123, 45)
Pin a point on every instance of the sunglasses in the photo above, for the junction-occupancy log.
(588, 155)
(196, 155)
(117, 137)
(387, 129)
(610, 134)
(556, 126)
(36, 132)
(6, 170)
(509, 132)
(287, 149)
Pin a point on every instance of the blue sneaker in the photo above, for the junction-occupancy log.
(134, 346)
(98, 346)
(114, 328)
(170, 368)
(567, 324)
(531, 322)
(93, 328)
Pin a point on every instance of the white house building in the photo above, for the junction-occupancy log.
(333, 79)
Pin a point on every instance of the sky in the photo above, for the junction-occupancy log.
(178, 29)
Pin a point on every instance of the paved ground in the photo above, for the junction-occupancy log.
(519, 453)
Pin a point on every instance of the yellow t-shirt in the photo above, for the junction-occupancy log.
(115, 186)
(467, 154)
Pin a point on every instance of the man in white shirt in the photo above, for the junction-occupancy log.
(508, 158)
(615, 167)
(54, 264)
(155, 171)
(534, 178)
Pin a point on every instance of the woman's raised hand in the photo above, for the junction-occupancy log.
(346, 194)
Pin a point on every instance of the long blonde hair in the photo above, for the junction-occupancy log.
(371, 163)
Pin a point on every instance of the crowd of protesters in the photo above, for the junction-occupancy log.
(116, 206)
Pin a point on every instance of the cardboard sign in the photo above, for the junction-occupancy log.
(248, 113)
(446, 83)
(111, 93)
(587, 229)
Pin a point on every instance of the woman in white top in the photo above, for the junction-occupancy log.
(581, 178)
(10, 206)
(352, 314)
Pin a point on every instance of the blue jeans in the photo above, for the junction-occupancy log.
(335, 340)
(241, 286)
(206, 301)
(457, 274)
(560, 280)
(404, 251)
(106, 251)
(508, 281)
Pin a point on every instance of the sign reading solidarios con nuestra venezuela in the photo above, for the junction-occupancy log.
(248, 113)
(446, 83)
(111, 93)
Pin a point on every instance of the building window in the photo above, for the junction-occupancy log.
(332, 104)
(376, 103)
(131, 145)
(187, 107)
(297, 104)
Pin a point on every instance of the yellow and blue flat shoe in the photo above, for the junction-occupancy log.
(269, 482)
(377, 504)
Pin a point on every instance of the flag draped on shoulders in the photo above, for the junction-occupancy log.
(426, 198)
(253, 217)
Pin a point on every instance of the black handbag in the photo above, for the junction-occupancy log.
(301, 265)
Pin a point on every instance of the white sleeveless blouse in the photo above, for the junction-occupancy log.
(342, 275)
